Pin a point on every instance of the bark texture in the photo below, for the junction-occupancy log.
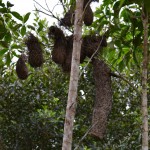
(144, 83)
(72, 95)
(103, 98)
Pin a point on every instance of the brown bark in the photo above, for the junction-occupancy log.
(144, 83)
(72, 95)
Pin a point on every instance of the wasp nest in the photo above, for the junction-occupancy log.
(66, 66)
(68, 19)
(21, 68)
(59, 49)
(103, 98)
(35, 51)
(93, 44)
(88, 15)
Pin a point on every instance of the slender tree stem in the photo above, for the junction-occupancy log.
(74, 77)
(144, 82)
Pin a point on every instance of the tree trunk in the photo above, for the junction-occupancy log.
(144, 83)
(72, 95)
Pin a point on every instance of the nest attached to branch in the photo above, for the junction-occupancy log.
(93, 43)
(88, 15)
(103, 98)
(68, 19)
(21, 68)
(59, 51)
(35, 58)
(66, 66)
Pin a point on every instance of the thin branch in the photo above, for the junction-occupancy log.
(43, 12)
(47, 6)
(124, 79)
(63, 5)
(40, 5)
(89, 129)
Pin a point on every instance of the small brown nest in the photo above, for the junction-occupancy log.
(21, 68)
(59, 51)
(88, 16)
(103, 98)
(93, 44)
(68, 19)
(35, 51)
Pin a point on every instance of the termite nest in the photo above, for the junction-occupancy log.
(69, 17)
(35, 58)
(21, 67)
(63, 47)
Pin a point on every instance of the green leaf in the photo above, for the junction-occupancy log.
(40, 27)
(3, 10)
(23, 30)
(16, 27)
(121, 65)
(15, 46)
(31, 27)
(7, 37)
(9, 4)
(26, 17)
(3, 51)
(17, 15)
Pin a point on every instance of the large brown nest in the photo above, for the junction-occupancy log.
(59, 51)
(21, 68)
(66, 66)
(93, 44)
(35, 58)
(103, 98)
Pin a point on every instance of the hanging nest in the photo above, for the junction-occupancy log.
(60, 43)
(88, 16)
(103, 98)
(93, 44)
(68, 19)
(35, 58)
(21, 68)
(66, 66)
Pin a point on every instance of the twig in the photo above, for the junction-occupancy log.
(89, 129)
(40, 5)
(124, 79)
(43, 12)
(63, 5)
(47, 6)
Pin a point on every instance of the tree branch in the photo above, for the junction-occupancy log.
(124, 79)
